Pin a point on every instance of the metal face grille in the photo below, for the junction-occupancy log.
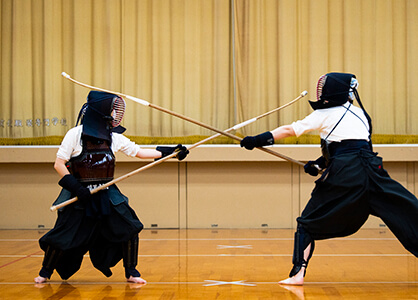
(320, 86)
(118, 110)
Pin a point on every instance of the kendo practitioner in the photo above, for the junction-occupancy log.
(353, 184)
(102, 223)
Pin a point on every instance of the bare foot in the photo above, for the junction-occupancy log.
(136, 286)
(296, 290)
(295, 280)
(137, 280)
(40, 279)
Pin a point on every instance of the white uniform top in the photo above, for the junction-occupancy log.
(71, 144)
(354, 125)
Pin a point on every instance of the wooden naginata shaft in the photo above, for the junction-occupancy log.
(150, 165)
(116, 180)
(225, 133)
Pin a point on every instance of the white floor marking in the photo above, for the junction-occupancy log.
(235, 247)
(216, 282)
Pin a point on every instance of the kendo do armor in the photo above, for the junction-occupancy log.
(101, 115)
(95, 164)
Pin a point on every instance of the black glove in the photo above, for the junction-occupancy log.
(181, 151)
(263, 139)
(314, 166)
(70, 183)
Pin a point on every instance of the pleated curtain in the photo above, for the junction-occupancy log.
(220, 62)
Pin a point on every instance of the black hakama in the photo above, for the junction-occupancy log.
(100, 228)
(354, 186)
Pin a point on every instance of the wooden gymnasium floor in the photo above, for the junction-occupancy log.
(222, 264)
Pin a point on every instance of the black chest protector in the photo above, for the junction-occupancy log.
(96, 162)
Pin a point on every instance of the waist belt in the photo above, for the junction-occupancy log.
(347, 146)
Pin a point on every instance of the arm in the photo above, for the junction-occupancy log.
(129, 148)
(148, 153)
(268, 137)
(313, 121)
(312, 167)
(161, 151)
(283, 132)
(69, 182)
(60, 167)
(179, 149)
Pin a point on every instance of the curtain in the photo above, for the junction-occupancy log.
(220, 62)
(176, 55)
(285, 46)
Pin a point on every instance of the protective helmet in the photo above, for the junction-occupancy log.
(334, 89)
(102, 114)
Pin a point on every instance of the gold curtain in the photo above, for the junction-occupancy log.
(284, 46)
(217, 61)
(176, 54)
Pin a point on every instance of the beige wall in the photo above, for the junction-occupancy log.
(221, 186)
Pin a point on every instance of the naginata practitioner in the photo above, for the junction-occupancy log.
(102, 223)
(353, 184)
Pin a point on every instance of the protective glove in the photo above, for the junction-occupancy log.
(313, 167)
(70, 183)
(181, 151)
(263, 139)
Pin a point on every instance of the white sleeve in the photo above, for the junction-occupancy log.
(70, 144)
(314, 121)
(122, 143)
